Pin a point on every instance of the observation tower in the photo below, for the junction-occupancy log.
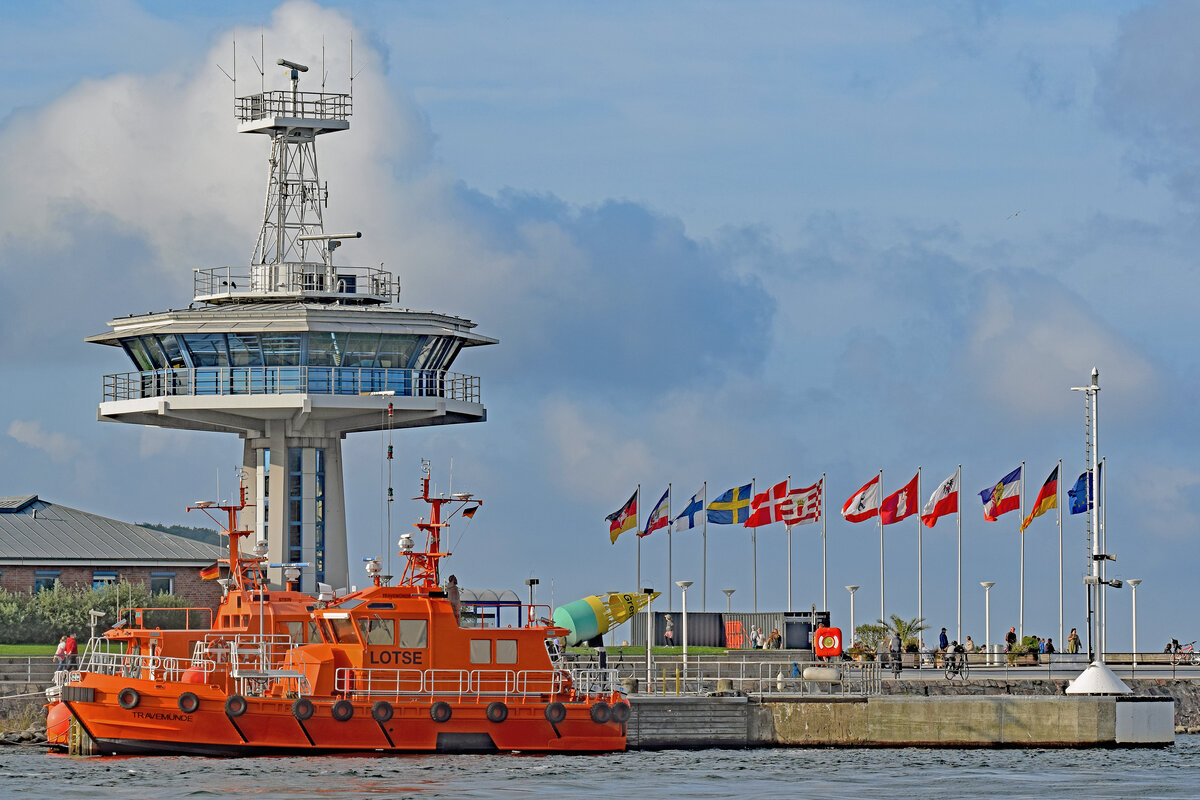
(293, 351)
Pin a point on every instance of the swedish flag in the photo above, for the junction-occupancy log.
(731, 508)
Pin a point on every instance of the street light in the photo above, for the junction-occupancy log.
(852, 589)
(649, 634)
(728, 598)
(987, 618)
(684, 586)
(1133, 582)
(531, 582)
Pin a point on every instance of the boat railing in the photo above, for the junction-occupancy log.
(596, 681)
(171, 616)
(455, 683)
(102, 657)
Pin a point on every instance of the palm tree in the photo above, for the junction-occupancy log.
(906, 628)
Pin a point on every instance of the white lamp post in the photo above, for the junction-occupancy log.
(728, 598)
(1134, 583)
(684, 586)
(852, 589)
(987, 618)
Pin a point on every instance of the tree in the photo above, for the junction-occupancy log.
(908, 629)
(870, 636)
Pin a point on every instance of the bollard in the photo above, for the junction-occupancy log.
(677, 692)
(724, 685)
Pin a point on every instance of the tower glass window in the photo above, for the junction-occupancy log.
(295, 527)
(319, 518)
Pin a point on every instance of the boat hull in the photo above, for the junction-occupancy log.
(156, 725)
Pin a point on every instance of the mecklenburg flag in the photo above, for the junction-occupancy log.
(1047, 499)
(623, 519)
(1005, 496)
(731, 508)
(211, 573)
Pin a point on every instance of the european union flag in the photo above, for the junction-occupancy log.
(731, 508)
(1081, 494)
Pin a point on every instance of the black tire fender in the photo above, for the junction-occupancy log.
(303, 708)
(600, 712)
(382, 711)
(188, 702)
(128, 698)
(440, 711)
(342, 710)
(621, 711)
(497, 712)
(556, 712)
(235, 705)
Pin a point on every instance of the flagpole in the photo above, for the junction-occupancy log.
(920, 559)
(786, 490)
(1058, 502)
(671, 592)
(1021, 518)
(879, 520)
(704, 547)
(1102, 494)
(824, 566)
(960, 505)
(637, 527)
(753, 543)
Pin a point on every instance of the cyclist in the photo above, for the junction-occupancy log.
(896, 646)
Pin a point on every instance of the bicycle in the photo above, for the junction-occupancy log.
(957, 666)
(1185, 654)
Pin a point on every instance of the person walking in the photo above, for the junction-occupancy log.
(71, 651)
(895, 647)
(60, 655)
(943, 641)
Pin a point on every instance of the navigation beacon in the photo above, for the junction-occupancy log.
(294, 351)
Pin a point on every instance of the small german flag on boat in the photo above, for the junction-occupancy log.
(211, 573)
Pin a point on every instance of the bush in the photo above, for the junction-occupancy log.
(44, 617)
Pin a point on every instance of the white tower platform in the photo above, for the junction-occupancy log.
(293, 352)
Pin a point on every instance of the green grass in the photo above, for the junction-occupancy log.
(27, 649)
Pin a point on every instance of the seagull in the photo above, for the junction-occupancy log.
(1015, 213)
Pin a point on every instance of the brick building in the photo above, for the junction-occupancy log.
(42, 542)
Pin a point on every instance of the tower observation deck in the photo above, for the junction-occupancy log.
(293, 351)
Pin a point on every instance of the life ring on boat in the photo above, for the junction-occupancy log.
(235, 705)
(302, 709)
(497, 712)
(600, 712)
(556, 712)
(342, 710)
(621, 711)
(188, 702)
(440, 711)
(382, 711)
(128, 698)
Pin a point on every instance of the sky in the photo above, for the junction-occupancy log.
(717, 242)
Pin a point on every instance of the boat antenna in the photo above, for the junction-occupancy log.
(233, 77)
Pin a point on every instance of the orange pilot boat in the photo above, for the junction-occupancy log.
(404, 668)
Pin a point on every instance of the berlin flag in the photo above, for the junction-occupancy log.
(864, 504)
(943, 501)
(901, 504)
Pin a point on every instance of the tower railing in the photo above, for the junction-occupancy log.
(219, 381)
(293, 279)
(285, 103)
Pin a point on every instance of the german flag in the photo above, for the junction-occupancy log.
(211, 573)
(470, 512)
(1047, 499)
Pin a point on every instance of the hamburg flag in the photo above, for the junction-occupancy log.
(864, 504)
(660, 517)
(801, 506)
(901, 504)
(944, 500)
(731, 508)
(623, 519)
(687, 518)
(1047, 499)
(765, 507)
(1005, 496)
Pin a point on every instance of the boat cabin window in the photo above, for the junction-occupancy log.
(294, 631)
(314, 633)
(412, 632)
(506, 651)
(378, 631)
(481, 651)
(343, 629)
(381, 605)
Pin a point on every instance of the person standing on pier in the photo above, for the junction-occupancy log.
(1073, 641)
(943, 640)
(1010, 640)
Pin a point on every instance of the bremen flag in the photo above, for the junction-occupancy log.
(1005, 496)
(765, 507)
(1047, 499)
(864, 504)
(802, 506)
(901, 504)
(623, 519)
(943, 501)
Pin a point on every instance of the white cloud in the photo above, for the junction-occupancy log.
(1167, 499)
(58, 446)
